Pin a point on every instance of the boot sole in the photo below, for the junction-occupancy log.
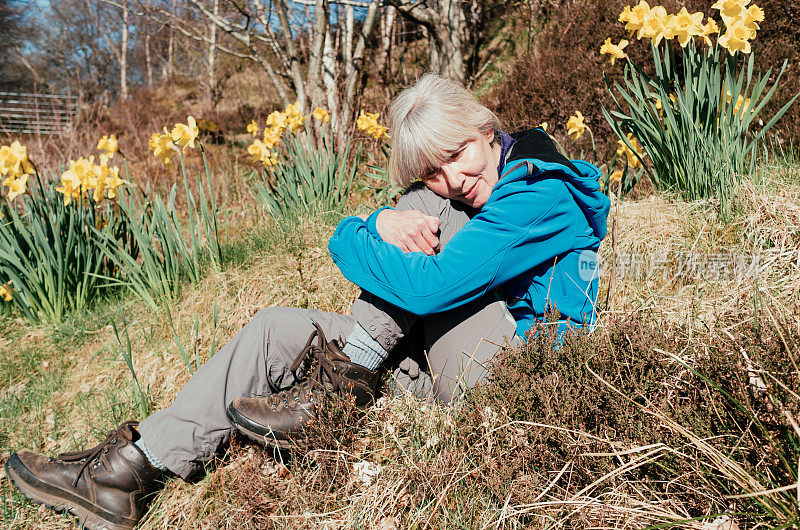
(89, 516)
(245, 426)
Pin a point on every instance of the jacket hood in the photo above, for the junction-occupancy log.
(535, 153)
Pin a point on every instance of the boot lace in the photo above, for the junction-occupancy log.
(90, 455)
(317, 370)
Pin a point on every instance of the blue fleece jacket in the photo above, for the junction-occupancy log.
(535, 241)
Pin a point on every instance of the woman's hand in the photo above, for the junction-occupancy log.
(411, 230)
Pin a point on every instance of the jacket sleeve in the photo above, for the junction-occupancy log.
(526, 225)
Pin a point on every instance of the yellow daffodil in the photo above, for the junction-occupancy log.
(113, 182)
(70, 185)
(277, 122)
(261, 153)
(615, 176)
(731, 10)
(5, 291)
(257, 149)
(321, 115)
(753, 16)
(18, 187)
(294, 116)
(293, 109)
(14, 160)
(739, 101)
(100, 186)
(659, 106)
(614, 50)
(368, 122)
(623, 149)
(736, 38)
(575, 125)
(378, 131)
(85, 171)
(635, 17)
(710, 28)
(295, 122)
(98, 179)
(685, 26)
(252, 128)
(365, 119)
(184, 134)
(625, 16)
(270, 159)
(108, 144)
(271, 138)
(162, 146)
(656, 25)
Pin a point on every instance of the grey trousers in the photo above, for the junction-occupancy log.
(434, 357)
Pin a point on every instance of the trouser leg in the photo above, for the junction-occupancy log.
(459, 342)
(449, 352)
(255, 361)
(385, 322)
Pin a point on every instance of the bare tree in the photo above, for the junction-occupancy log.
(446, 27)
(119, 49)
(455, 30)
(294, 45)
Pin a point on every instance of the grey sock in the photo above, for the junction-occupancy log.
(158, 464)
(363, 349)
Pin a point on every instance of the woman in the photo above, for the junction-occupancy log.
(499, 229)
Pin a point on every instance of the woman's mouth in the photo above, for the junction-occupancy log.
(472, 192)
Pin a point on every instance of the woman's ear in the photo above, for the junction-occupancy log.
(492, 136)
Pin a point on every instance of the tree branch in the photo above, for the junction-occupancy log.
(414, 11)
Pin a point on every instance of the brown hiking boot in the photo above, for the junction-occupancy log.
(107, 486)
(273, 420)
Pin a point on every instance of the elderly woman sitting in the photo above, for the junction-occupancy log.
(498, 230)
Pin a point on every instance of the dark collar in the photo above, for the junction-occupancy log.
(535, 143)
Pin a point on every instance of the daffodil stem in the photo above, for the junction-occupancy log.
(594, 147)
(217, 248)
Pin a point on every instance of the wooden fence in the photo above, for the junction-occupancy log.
(23, 113)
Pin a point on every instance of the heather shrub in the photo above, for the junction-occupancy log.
(631, 384)
(643, 408)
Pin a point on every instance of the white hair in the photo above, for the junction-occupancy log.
(431, 121)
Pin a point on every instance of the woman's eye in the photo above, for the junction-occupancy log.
(456, 155)
(430, 175)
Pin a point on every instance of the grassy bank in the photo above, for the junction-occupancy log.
(683, 401)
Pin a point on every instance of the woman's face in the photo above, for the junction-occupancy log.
(470, 174)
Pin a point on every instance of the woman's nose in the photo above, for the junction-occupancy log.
(454, 177)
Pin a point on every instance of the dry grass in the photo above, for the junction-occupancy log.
(767, 230)
(408, 465)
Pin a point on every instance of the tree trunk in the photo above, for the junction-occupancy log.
(147, 59)
(349, 18)
(316, 92)
(449, 36)
(171, 47)
(357, 68)
(387, 32)
(123, 52)
(211, 73)
(329, 75)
